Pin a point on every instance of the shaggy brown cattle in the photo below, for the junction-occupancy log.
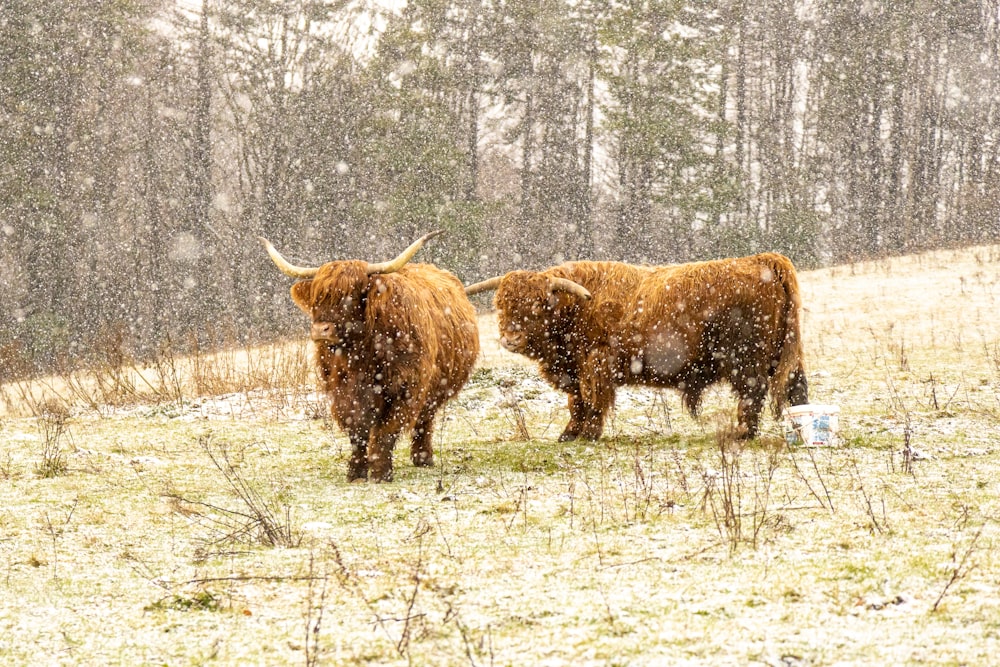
(727, 320)
(566, 318)
(394, 341)
(685, 327)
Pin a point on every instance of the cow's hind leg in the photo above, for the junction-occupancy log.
(798, 388)
(691, 393)
(752, 393)
(421, 445)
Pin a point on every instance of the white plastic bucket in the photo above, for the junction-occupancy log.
(812, 425)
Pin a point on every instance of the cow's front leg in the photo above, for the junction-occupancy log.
(357, 465)
(577, 418)
(597, 391)
(593, 424)
(380, 455)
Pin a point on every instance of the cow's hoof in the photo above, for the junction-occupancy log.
(380, 473)
(423, 459)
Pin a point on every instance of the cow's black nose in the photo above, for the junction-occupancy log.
(323, 331)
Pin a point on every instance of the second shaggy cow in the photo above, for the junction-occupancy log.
(685, 327)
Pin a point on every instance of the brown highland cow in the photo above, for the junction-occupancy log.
(394, 341)
(684, 327)
(567, 318)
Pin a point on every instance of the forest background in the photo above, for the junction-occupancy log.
(145, 144)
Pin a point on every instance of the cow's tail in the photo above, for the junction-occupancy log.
(788, 383)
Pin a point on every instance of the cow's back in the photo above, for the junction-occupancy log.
(715, 315)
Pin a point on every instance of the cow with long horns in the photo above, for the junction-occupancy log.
(567, 318)
(685, 327)
(394, 341)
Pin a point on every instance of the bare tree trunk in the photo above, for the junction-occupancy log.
(586, 232)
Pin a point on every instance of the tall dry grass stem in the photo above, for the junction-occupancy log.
(961, 564)
(52, 425)
(263, 517)
(737, 487)
(55, 530)
(874, 508)
(315, 606)
(825, 500)
(512, 404)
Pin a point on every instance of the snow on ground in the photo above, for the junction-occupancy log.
(538, 552)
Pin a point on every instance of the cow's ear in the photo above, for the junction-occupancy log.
(302, 295)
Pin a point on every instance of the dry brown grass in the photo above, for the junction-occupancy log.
(270, 371)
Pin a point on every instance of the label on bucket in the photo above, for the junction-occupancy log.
(811, 425)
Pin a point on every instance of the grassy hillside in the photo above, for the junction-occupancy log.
(196, 511)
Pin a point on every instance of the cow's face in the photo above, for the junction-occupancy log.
(335, 301)
(530, 314)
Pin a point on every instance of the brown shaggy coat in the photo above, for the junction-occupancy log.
(684, 327)
(729, 320)
(572, 339)
(391, 348)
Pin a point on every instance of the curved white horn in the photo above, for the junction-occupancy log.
(483, 286)
(285, 266)
(399, 262)
(567, 285)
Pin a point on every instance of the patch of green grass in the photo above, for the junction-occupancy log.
(200, 601)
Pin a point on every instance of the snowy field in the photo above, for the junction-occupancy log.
(198, 513)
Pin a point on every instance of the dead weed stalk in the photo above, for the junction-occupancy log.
(878, 520)
(263, 518)
(52, 425)
(824, 500)
(727, 493)
(961, 563)
(315, 607)
(55, 530)
(637, 482)
(512, 403)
